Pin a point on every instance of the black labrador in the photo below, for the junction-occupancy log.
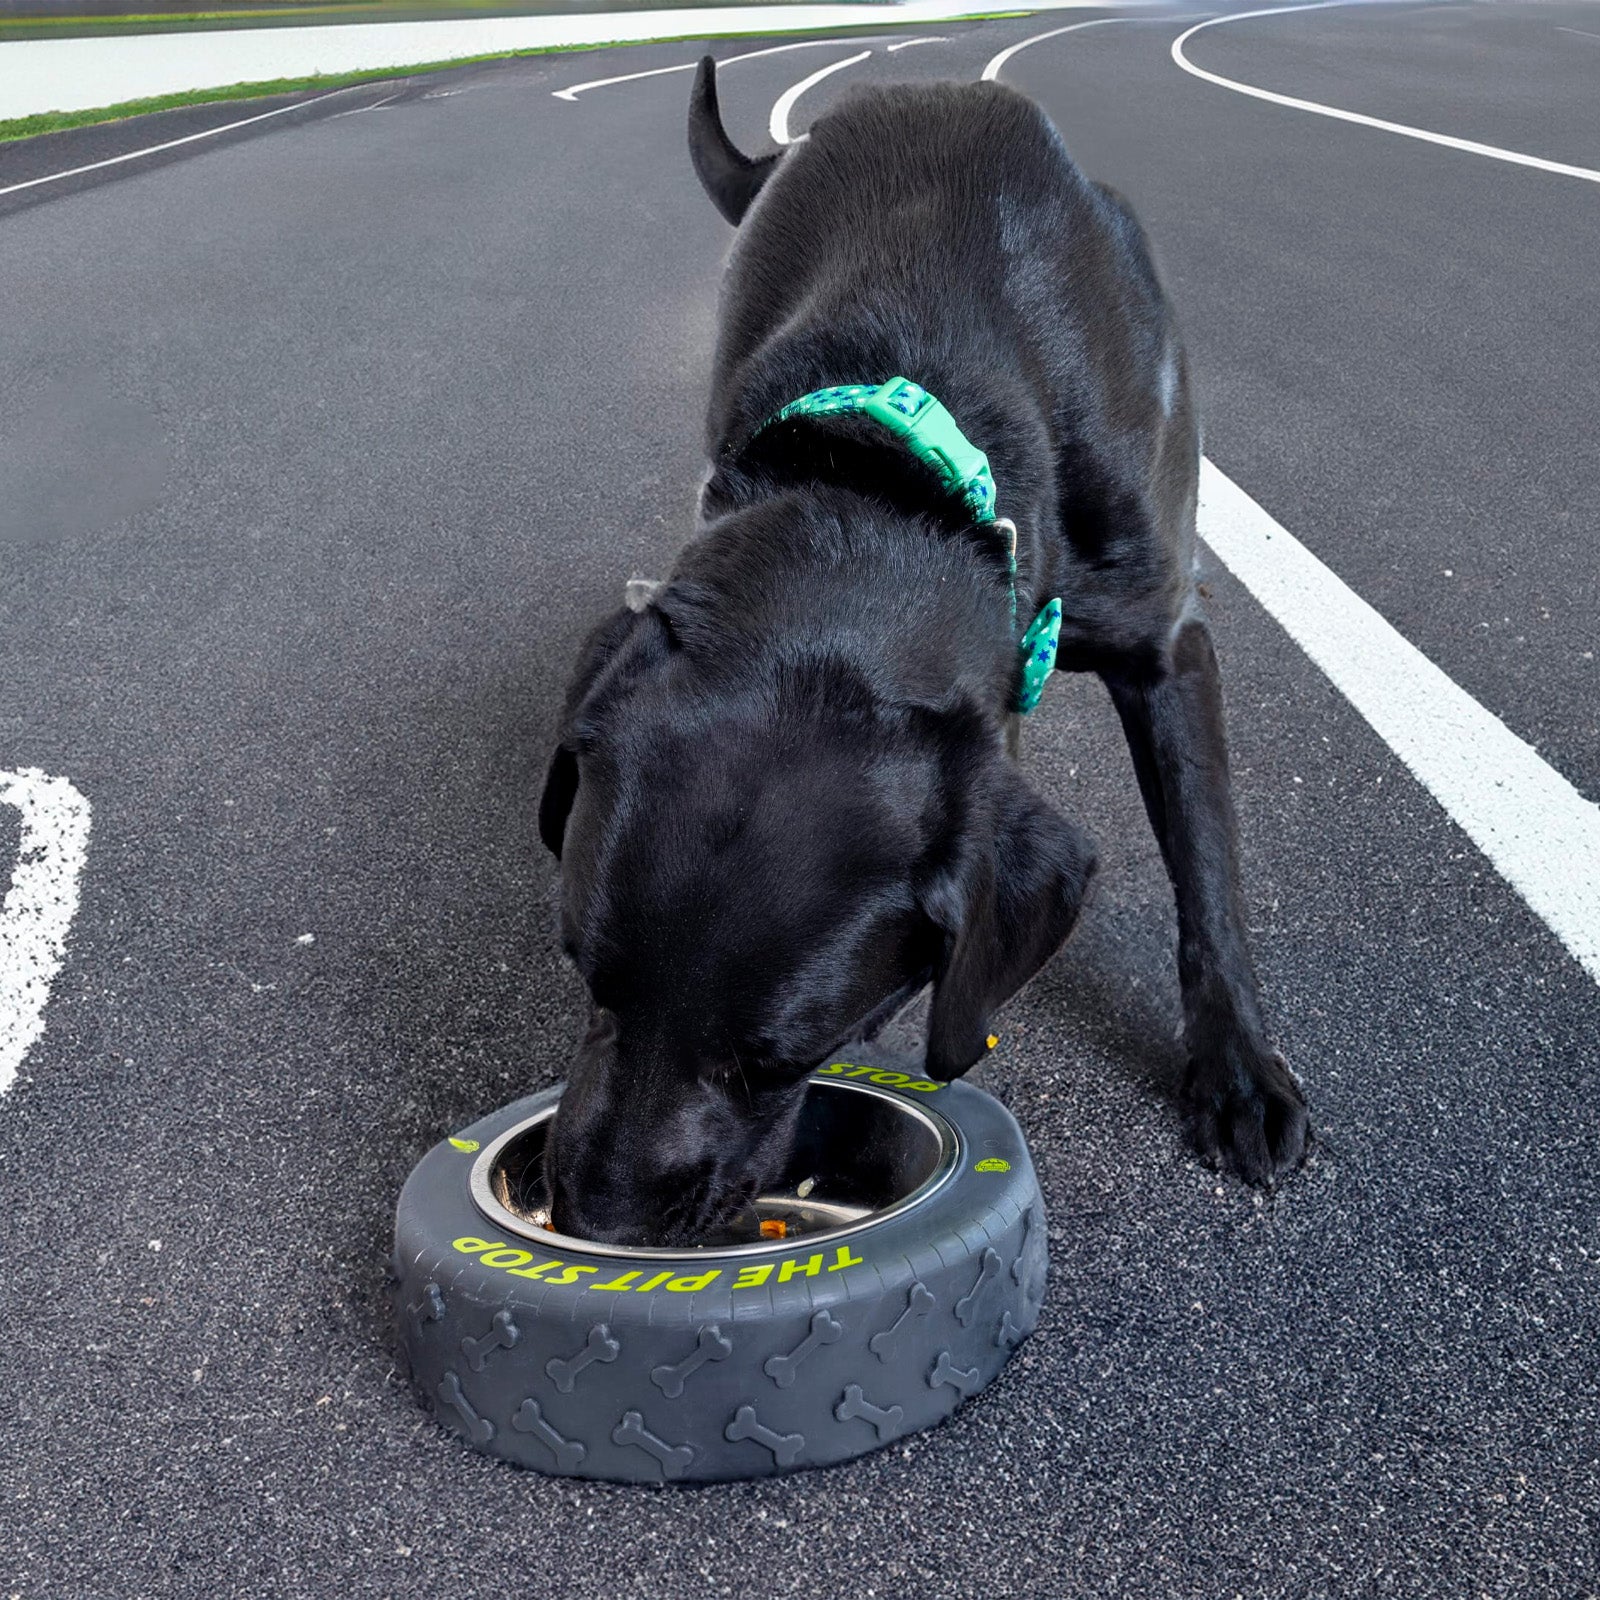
(784, 797)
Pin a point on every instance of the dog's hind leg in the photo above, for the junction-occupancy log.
(1244, 1106)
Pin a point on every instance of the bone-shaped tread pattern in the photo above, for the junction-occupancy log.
(569, 1453)
(854, 1404)
(785, 1447)
(1030, 1226)
(825, 1329)
(673, 1459)
(480, 1430)
(429, 1308)
(1008, 1335)
(599, 1346)
(709, 1345)
(919, 1302)
(503, 1334)
(967, 1305)
(944, 1370)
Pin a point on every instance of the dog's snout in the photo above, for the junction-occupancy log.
(644, 1213)
(616, 1179)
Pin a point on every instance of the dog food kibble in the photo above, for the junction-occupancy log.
(774, 1228)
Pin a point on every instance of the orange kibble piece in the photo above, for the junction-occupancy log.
(774, 1228)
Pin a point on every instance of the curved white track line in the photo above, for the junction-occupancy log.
(906, 44)
(992, 71)
(39, 906)
(725, 61)
(1449, 141)
(778, 126)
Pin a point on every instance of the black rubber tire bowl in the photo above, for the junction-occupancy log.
(726, 1361)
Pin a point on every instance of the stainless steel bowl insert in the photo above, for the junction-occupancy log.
(861, 1154)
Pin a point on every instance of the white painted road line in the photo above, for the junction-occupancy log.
(39, 907)
(992, 71)
(629, 77)
(778, 124)
(1449, 141)
(906, 44)
(1540, 833)
(373, 107)
(171, 144)
(723, 61)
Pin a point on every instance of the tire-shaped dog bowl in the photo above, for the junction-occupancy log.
(912, 1264)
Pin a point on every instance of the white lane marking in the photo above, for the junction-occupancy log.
(689, 66)
(39, 906)
(1540, 833)
(376, 104)
(1582, 33)
(906, 44)
(992, 71)
(626, 77)
(778, 124)
(1449, 141)
(171, 144)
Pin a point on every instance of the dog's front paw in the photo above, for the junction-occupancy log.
(1245, 1110)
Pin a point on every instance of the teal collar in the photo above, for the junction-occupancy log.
(912, 415)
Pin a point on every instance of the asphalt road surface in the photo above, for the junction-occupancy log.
(326, 440)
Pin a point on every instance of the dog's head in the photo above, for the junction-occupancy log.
(760, 860)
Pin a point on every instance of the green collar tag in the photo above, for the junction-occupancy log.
(929, 432)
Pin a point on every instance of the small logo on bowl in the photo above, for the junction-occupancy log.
(992, 1164)
(468, 1145)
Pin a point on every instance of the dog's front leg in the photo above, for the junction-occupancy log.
(1244, 1106)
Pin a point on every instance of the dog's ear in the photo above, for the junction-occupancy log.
(555, 804)
(1013, 881)
(621, 648)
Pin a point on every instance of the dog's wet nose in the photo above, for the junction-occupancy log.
(596, 1212)
(635, 1214)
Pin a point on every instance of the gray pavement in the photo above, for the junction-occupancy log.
(422, 387)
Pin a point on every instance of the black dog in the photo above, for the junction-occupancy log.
(783, 798)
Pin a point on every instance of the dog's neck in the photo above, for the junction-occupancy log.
(917, 605)
(846, 452)
(895, 445)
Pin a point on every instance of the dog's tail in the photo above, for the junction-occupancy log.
(729, 176)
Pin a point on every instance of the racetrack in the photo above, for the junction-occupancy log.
(333, 434)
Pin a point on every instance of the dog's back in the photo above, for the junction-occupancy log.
(942, 231)
(929, 214)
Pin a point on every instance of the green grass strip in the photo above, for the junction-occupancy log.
(335, 11)
(60, 121)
